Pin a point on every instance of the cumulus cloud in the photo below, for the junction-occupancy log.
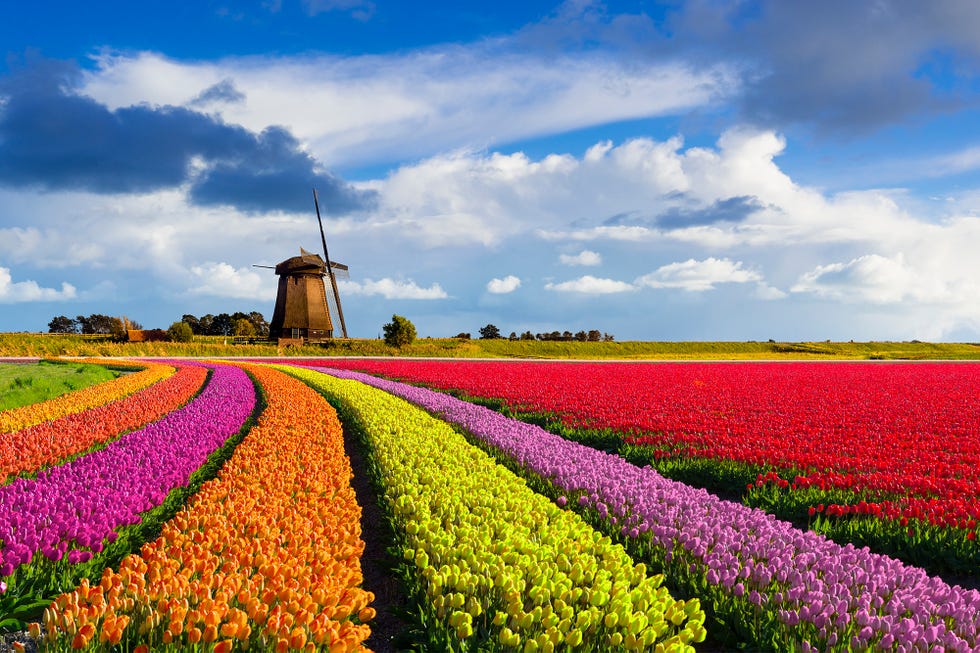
(871, 278)
(16, 292)
(589, 285)
(698, 276)
(508, 284)
(58, 139)
(585, 258)
(393, 289)
(224, 280)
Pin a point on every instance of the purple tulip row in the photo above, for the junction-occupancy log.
(81, 502)
(822, 594)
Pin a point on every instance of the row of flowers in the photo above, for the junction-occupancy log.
(71, 512)
(891, 433)
(264, 556)
(48, 443)
(494, 563)
(143, 374)
(792, 587)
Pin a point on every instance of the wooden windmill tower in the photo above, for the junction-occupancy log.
(302, 305)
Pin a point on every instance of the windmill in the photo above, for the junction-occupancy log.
(302, 304)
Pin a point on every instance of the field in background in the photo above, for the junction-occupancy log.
(47, 345)
(21, 385)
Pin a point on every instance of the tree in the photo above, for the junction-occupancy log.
(489, 332)
(581, 336)
(204, 325)
(260, 324)
(594, 335)
(462, 336)
(399, 332)
(62, 324)
(102, 324)
(244, 327)
(513, 335)
(180, 332)
(221, 325)
(192, 322)
(527, 335)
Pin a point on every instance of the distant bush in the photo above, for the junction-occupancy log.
(180, 332)
(399, 332)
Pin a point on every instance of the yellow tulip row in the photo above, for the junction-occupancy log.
(266, 556)
(497, 562)
(24, 417)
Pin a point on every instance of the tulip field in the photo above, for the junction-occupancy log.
(882, 454)
(194, 505)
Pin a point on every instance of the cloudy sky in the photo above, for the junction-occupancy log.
(686, 170)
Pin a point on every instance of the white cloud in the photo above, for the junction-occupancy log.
(766, 292)
(224, 280)
(393, 289)
(416, 103)
(508, 284)
(590, 285)
(698, 276)
(585, 257)
(873, 278)
(15, 292)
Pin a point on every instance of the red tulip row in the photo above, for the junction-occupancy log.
(903, 436)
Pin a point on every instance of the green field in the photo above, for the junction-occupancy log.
(23, 384)
(49, 345)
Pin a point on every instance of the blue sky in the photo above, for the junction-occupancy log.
(658, 171)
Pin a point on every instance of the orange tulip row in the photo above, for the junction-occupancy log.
(79, 400)
(49, 443)
(266, 556)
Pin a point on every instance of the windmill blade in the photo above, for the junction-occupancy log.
(330, 267)
(340, 271)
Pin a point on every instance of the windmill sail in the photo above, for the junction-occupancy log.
(330, 266)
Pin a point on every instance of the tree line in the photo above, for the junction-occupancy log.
(251, 324)
(491, 332)
(225, 324)
(95, 323)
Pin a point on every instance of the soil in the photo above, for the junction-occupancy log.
(388, 628)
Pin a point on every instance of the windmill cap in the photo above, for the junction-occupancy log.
(305, 263)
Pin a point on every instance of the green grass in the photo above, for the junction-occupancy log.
(23, 384)
(47, 345)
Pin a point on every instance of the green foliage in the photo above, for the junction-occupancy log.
(225, 324)
(62, 324)
(489, 332)
(21, 385)
(180, 332)
(399, 332)
(244, 328)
